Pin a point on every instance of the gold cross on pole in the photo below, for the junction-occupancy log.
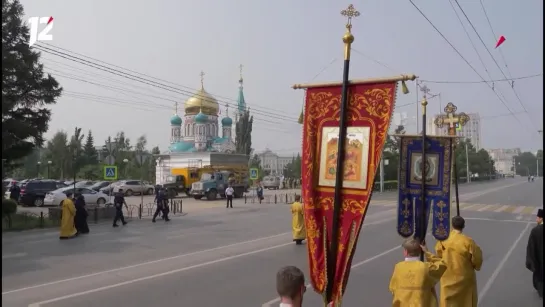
(202, 79)
(451, 118)
(350, 13)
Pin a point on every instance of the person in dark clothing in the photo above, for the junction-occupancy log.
(119, 201)
(534, 254)
(158, 189)
(162, 206)
(80, 220)
(14, 192)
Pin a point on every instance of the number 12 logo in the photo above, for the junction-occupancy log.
(44, 34)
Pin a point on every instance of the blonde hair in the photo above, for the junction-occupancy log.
(412, 246)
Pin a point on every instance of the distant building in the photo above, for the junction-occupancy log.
(503, 159)
(471, 130)
(273, 164)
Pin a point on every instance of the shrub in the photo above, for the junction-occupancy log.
(9, 207)
(389, 185)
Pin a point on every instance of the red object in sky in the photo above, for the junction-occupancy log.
(51, 19)
(500, 41)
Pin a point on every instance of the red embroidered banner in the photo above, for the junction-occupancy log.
(370, 109)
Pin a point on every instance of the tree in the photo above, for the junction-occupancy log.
(89, 151)
(58, 153)
(526, 164)
(293, 169)
(481, 164)
(77, 158)
(243, 139)
(26, 90)
(391, 154)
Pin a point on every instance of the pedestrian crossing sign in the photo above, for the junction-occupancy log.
(110, 172)
(254, 173)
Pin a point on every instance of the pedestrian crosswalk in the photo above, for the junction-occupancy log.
(515, 209)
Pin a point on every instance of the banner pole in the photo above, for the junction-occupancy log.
(348, 39)
(423, 164)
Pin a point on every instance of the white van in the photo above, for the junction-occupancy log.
(271, 182)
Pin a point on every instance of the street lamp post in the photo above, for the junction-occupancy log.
(125, 162)
(38, 169)
(383, 162)
(48, 166)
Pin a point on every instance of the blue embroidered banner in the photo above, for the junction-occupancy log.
(437, 176)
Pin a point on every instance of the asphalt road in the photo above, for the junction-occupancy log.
(229, 257)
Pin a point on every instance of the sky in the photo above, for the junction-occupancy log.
(280, 43)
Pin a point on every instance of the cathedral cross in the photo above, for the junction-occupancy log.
(451, 118)
(350, 13)
(240, 67)
(202, 79)
(176, 108)
(406, 203)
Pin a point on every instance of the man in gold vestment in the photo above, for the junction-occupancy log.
(297, 221)
(68, 228)
(463, 257)
(413, 282)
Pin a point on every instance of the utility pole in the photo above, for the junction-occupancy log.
(537, 158)
(467, 165)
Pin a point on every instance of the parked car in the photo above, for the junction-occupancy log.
(99, 185)
(84, 184)
(56, 197)
(34, 191)
(131, 187)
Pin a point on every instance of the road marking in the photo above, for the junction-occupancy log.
(501, 208)
(519, 209)
(502, 264)
(485, 208)
(494, 220)
(16, 255)
(535, 211)
(471, 207)
(276, 300)
(143, 264)
(529, 210)
(510, 209)
(132, 281)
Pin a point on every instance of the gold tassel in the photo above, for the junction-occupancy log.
(300, 120)
(404, 87)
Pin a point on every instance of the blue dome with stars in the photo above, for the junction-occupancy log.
(176, 120)
(227, 121)
(201, 118)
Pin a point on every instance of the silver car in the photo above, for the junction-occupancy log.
(131, 187)
(91, 197)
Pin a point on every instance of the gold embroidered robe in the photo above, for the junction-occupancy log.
(459, 283)
(68, 229)
(413, 282)
(297, 221)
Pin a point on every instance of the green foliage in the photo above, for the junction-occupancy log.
(9, 207)
(26, 91)
(243, 138)
(480, 162)
(91, 172)
(528, 164)
(293, 169)
(89, 151)
(391, 154)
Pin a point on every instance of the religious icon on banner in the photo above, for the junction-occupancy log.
(430, 167)
(355, 161)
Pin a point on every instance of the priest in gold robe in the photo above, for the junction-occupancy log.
(413, 282)
(298, 221)
(463, 258)
(68, 228)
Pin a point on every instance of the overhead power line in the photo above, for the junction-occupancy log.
(485, 81)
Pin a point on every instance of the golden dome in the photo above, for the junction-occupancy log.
(202, 101)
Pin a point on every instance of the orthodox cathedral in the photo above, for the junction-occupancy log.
(197, 139)
(199, 130)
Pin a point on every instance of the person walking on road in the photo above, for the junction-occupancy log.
(259, 192)
(68, 212)
(119, 201)
(162, 206)
(298, 221)
(290, 286)
(534, 254)
(80, 220)
(463, 258)
(229, 195)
